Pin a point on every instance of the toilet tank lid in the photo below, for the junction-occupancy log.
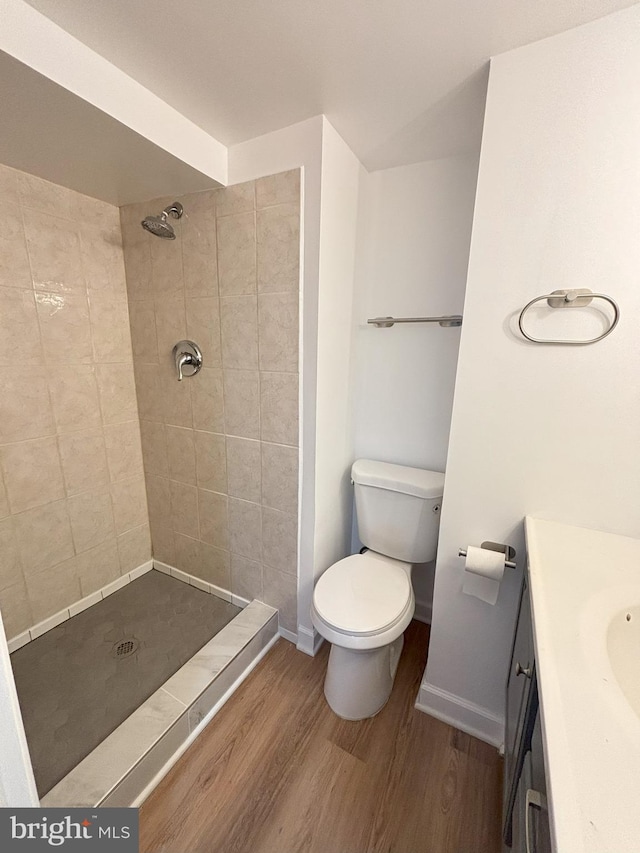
(398, 478)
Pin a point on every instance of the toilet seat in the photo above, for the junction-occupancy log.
(363, 601)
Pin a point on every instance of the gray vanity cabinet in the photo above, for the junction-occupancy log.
(525, 824)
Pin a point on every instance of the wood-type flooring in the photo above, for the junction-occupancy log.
(276, 771)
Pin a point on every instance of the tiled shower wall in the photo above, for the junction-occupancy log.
(73, 513)
(220, 448)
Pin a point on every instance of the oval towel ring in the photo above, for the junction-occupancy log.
(570, 299)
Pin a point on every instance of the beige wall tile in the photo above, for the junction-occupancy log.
(237, 254)
(280, 590)
(188, 554)
(14, 261)
(19, 330)
(74, 397)
(4, 502)
(238, 198)
(144, 341)
(280, 477)
(109, 329)
(176, 396)
(246, 578)
(277, 189)
(37, 194)
(166, 264)
(198, 243)
(54, 252)
(16, 610)
(200, 273)
(279, 408)
(117, 389)
(53, 589)
(242, 403)
(84, 460)
(239, 328)
(211, 461)
(124, 452)
(278, 331)
(216, 566)
(159, 501)
(243, 469)
(203, 327)
(163, 544)
(154, 448)
(129, 500)
(64, 327)
(278, 249)
(171, 324)
(245, 529)
(149, 382)
(44, 537)
(199, 221)
(98, 567)
(184, 509)
(32, 473)
(10, 562)
(103, 260)
(9, 185)
(181, 454)
(25, 407)
(137, 263)
(91, 517)
(134, 548)
(208, 400)
(213, 510)
(280, 540)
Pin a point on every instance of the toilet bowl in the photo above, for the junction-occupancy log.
(363, 603)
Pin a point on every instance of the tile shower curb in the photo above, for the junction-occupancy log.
(125, 764)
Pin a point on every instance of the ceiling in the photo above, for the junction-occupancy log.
(401, 80)
(50, 132)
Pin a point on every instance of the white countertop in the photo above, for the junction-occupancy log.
(580, 579)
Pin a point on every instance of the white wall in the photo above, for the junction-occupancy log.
(413, 251)
(42, 45)
(17, 784)
(546, 430)
(331, 175)
(341, 175)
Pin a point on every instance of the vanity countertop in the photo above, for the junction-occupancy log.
(581, 582)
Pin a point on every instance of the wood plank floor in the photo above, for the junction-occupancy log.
(277, 772)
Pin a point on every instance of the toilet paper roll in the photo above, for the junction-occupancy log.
(483, 571)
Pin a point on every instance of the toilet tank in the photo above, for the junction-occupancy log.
(398, 509)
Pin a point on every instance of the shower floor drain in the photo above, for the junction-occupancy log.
(125, 648)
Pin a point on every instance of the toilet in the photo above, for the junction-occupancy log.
(363, 603)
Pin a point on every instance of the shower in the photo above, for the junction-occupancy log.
(158, 225)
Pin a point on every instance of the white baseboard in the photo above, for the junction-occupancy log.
(423, 612)
(288, 635)
(61, 616)
(461, 714)
(309, 641)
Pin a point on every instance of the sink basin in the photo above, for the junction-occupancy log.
(623, 649)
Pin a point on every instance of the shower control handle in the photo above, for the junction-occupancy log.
(187, 354)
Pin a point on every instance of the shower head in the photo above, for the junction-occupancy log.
(158, 225)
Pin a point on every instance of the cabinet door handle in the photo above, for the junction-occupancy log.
(522, 670)
(535, 799)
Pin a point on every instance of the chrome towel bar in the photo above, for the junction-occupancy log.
(387, 322)
(578, 298)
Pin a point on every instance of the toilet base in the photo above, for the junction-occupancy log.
(359, 682)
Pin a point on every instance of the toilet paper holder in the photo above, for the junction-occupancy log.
(507, 550)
